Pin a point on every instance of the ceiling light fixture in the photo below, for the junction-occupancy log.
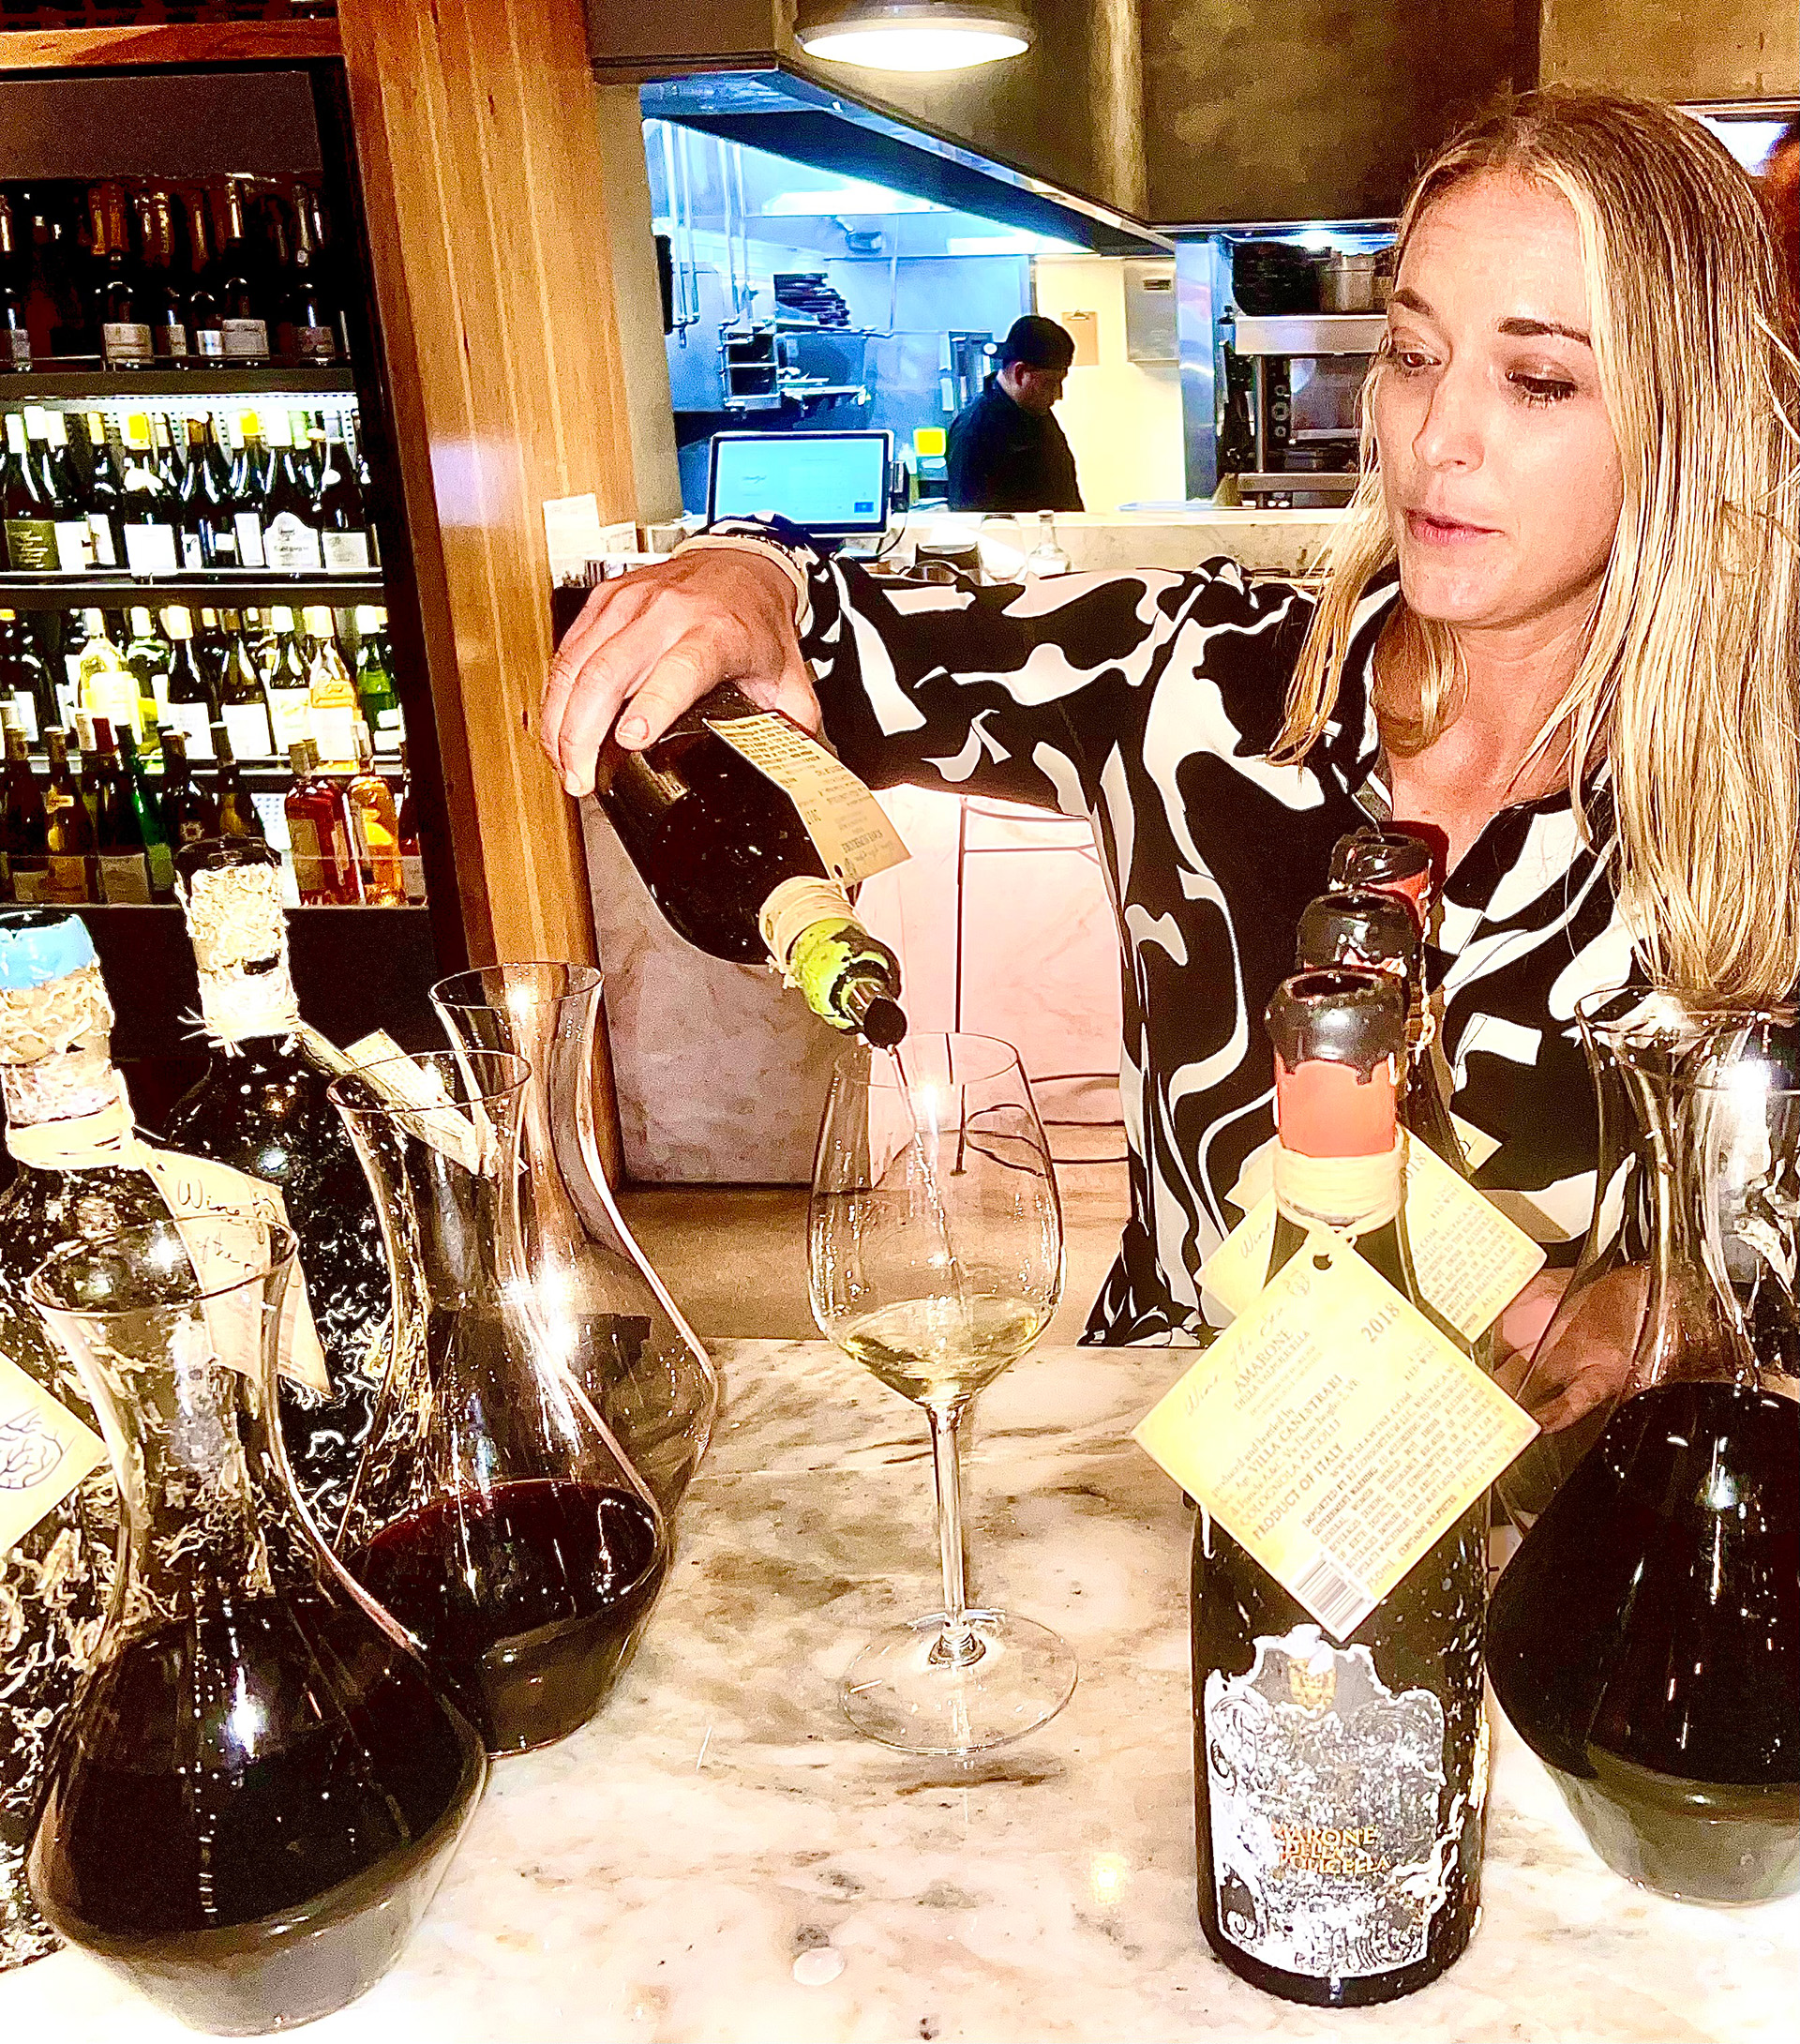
(913, 35)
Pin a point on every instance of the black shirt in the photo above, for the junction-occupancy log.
(1002, 458)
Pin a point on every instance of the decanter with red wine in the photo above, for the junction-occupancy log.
(1645, 1638)
(260, 1786)
(495, 1513)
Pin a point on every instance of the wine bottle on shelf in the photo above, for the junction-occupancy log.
(184, 810)
(232, 798)
(148, 509)
(247, 488)
(332, 721)
(290, 522)
(107, 688)
(120, 301)
(731, 863)
(284, 681)
(205, 320)
(47, 436)
(310, 325)
(23, 831)
(325, 866)
(243, 323)
(71, 870)
(190, 705)
(243, 702)
(149, 655)
(337, 505)
(164, 304)
(103, 499)
(375, 830)
(208, 514)
(123, 860)
(262, 1107)
(158, 851)
(375, 695)
(209, 646)
(15, 277)
(30, 523)
(1339, 1781)
(412, 851)
(92, 736)
(24, 680)
(58, 305)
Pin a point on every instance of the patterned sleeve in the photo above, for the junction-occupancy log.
(1020, 693)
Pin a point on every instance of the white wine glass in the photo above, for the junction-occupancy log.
(935, 1254)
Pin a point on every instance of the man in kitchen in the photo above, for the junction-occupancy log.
(1006, 451)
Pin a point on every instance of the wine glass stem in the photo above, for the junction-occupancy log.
(959, 1645)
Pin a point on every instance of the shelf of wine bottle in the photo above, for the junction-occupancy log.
(228, 588)
(84, 381)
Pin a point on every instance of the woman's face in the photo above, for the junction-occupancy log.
(1498, 462)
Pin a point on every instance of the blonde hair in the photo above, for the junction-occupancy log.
(1689, 683)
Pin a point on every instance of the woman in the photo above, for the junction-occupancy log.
(1559, 634)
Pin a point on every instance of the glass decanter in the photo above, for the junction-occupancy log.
(637, 1358)
(1645, 1638)
(494, 1515)
(259, 1788)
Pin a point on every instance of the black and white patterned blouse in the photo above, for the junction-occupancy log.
(1147, 703)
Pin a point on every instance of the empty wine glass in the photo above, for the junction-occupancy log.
(935, 1254)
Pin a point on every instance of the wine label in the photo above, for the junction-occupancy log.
(19, 347)
(150, 549)
(246, 724)
(244, 339)
(126, 342)
(315, 343)
(172, 341)
(30, 884)
(74, 546)
(190, 720)
(209, 343)
(305, 856)
(45, 1451)
(31, 546)
(125, 876)
(412, 877)
(213, 1206)
(1323, 1787)
(1334, 1432)
(290, 544)
(333, 729)
(66, 878)
(346, 554)
(100, 531)
(24, 714)
(849, 828)
(1470, 1260)
(191, 556)
(248, 528)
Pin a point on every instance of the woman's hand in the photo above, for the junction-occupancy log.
(1590, 1364)
(653, 643)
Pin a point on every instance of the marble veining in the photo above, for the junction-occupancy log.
(717, 1860)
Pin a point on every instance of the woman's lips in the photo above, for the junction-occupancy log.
(1431, 530)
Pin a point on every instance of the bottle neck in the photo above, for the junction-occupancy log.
(67, 1104)
(239, 931)
(846, 977)
(1339, 1153)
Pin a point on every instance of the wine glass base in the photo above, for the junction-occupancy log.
(903, 1690)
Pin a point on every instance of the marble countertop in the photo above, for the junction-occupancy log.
(718, 1860)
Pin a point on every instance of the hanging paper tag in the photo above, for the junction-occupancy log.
(429, 1114)
(843, 818)
(1334, 1432)
(1478, 1145)
(45, 1451)
(1470, 1260)
(208, 1202)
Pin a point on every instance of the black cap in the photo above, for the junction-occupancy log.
(1371, 858)
(1360, 926)
(1343, 1017)
(1038, 344)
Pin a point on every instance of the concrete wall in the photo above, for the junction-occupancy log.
(1676, 48)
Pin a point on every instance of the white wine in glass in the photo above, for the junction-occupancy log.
(935, 1252)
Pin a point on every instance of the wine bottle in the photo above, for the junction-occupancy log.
(1339, 1781)
(290, 522)
(247, 489)
(731, 863)
(163, 298)
(311, 324)
(190, 705)
(23, 830)
(123, 860)
(186, 811)
(338, 507)
(147, 512)
(107, 687)
(284, 681)
(47, 437)
(67, 1117)
(15, 319)
(380, 705)
(158, 851)
(232, 796)
(262, 1107)
(30, 523)
(72, 868)
(149, 655)
(324, 867)
(412, 851)
(375, 830)
(205, 325)
(244, 705)
(244, 324)
(120, 302)
(92, 736)
(24, 680)
(332, 722)
(103, 500)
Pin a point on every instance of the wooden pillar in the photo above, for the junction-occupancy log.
(475, 132)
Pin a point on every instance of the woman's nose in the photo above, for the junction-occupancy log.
(1450, 434)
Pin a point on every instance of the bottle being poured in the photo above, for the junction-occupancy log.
(750, 836)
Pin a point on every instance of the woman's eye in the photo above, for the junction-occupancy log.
(1410, 360)
(1543, 390)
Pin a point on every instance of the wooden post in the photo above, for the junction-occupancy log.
(480, 162)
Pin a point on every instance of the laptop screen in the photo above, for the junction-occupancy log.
(831, 484)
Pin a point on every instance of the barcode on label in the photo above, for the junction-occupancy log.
(1335, 1600)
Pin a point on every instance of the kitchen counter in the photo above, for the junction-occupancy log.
(718, 1859)
(1179, 536)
